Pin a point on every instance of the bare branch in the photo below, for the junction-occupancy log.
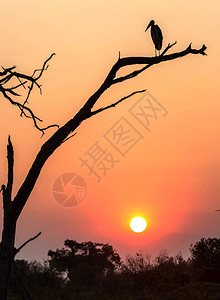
(116, 103)
(84, 113)
(45, 67)
(6, 79)
(6, 70)
(21, 84)
(27, 112)
(9, 92)
(24, 244)
(130, 75)
(136, 72)
(168, 47)
(129, 61)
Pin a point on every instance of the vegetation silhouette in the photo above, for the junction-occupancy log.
(206, 259)
(92, 271)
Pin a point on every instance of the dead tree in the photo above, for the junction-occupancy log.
(13, 207)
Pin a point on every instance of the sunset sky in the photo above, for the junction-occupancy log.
(170, 176)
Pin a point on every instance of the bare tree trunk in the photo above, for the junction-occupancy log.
(13, 209)
(8, 266)
(7, 255)
(9, 227)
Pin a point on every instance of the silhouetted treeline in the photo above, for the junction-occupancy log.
(95, 271)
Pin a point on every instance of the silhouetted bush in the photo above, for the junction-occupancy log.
(93, 271)
(205, 260)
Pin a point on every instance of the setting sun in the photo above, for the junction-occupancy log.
(138, 224)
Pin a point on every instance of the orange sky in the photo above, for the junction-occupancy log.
(171, 176)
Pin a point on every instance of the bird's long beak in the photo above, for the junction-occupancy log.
(148, 27)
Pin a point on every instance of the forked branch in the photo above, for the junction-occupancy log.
(26, 82)
(136, 72)
(61, 135)
(138, 60)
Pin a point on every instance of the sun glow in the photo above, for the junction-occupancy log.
(138, 224)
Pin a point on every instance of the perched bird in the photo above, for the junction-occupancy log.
(156, 36)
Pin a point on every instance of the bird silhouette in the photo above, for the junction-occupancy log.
(156, 36)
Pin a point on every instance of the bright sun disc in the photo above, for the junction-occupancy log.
(138, 224)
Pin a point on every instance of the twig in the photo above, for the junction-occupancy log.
(45, 66)
(116, 103)
(130, 75)
(25, 109)
(24, 244)
(9, 92)
(168, 47)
